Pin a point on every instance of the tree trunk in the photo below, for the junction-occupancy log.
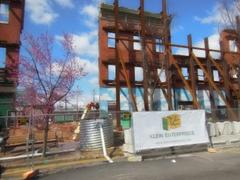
(45, 138)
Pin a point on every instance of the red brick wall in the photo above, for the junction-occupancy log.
(127, 53)
(10, 32)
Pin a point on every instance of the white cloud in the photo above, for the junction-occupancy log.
(80, 100)
(213, 44)
(42, 11)
(218, 14)
(94, 81)
(106, 97)
(86, 44)
(89, 67)
(85, 99)
(65, 3)
(214, 16)
(91, 12)
(107, 94)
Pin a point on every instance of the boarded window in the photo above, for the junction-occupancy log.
(185, 72)
(216, 75)
(200, 74)
(4, 13)
(111, 40)
(111, 72)
(138, 72)
(2, 57)
(136, 43)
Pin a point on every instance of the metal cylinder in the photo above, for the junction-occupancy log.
(90, 137)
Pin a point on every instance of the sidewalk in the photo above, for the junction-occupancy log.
(15, 170)
(61, 162)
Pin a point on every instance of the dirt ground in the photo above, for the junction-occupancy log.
(61, 132)
(60, 138)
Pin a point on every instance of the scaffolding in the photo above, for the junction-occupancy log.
(150, 27)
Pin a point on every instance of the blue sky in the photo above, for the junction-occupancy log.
(79, 18)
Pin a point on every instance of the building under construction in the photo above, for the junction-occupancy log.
(11, 25)
(132, 42)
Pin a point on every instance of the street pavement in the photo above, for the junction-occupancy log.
(198, 166)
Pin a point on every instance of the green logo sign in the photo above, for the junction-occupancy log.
(171, 122)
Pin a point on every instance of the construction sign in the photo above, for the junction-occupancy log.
(171, 122)
(153, 130)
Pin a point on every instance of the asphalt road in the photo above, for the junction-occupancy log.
(200, 166)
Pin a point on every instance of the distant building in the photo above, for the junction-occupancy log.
(11, 25)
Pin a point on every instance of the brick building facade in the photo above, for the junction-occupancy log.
(11, 25)
(135, 51)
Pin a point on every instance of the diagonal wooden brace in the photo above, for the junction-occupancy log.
(233, 115)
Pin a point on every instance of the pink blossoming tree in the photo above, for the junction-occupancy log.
(45, 78)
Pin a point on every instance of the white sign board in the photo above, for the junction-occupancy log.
(152, 130)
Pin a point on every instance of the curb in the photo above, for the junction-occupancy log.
(51, 168)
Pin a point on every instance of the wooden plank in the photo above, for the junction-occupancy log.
(146, 77)
(195, 102)
(214, 86)
(192, 70)
(210, 89)
(169, 78)
(131, 94)
(117, 73)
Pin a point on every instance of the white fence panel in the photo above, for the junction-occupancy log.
(153, 130)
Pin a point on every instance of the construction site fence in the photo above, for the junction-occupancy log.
(18, 129)
(17, 119)
(24, 134)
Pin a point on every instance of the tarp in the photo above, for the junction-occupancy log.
(153, 130)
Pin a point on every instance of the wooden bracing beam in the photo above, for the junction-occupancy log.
(117, 73)
(212, 84)
(192, 70)
(167, 48)
(118, 58)
(209, 68)
(195, 102)
(158, 80)
(163, 90)
(169, 78)
(221, 71)
(130, 90)
(146, 72)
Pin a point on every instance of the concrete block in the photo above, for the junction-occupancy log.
(128, 136)
(236, 127)
(226, 139)
(227, 130)
(128, 148)
(220, 127)
(212, 129)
